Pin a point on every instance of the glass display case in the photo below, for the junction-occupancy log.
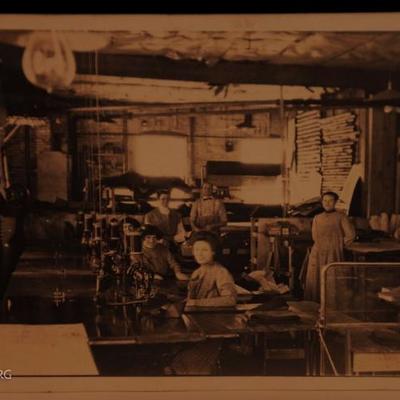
(359, 324)
(360, 294)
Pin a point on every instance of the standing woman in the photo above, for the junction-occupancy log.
(331, 232)
(208, 213)
(167, 220)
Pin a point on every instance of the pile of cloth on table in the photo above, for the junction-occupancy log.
(261, 281)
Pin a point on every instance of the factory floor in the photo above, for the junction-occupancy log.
(41, 274)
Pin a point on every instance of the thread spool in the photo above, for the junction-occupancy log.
(136, 245)
(132, 242)
(88, 222)
(127, 230)
(97, 231)
(109, 260)
(114, 234)
(93, 214)
(80, 216)
(80, 221)
(103, 222)
(114, 229)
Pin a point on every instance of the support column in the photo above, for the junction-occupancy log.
(381, 162)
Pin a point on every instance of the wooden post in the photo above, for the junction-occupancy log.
(381, 162)
(348, 355)
(284, 133)
(397, 202)
(253, 244)
(190, 148)
(125, 141)
(28, 169)
(75, 184)
(3, 116)
(2, 171)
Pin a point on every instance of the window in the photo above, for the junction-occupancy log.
(159, 155)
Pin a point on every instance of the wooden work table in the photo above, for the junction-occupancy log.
(361, 250)
(31, 293)
(31, 296)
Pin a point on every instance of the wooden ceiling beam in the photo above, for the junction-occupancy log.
(225, 72)
(221, 73)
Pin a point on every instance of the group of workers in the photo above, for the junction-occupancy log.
(211, 284)
(332, 231)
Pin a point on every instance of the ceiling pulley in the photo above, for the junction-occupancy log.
(48, 61)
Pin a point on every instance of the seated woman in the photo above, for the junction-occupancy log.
(211, 285)
(157, 257)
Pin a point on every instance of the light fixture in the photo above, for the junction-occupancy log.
(229, 146)
(388, 95)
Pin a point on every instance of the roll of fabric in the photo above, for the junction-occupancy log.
(375, 223)
(393, 224)
(385, 222)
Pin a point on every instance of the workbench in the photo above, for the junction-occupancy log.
(31, 302)
(361, 251)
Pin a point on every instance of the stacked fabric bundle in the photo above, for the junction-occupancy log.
(386, 224)
(271, 317)
(308, 143)
(339, 134)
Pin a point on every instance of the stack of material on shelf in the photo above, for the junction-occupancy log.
(308, 143)
(385, 223)
(339, 134)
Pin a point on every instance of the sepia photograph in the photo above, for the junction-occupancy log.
(199, 199)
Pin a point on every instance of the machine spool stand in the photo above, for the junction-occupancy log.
(283, 233)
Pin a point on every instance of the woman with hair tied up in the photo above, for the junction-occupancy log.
(167, 220)
(157, 257)
(211, 285)
(331, 232)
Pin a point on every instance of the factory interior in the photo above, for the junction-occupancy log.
(200, 203)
